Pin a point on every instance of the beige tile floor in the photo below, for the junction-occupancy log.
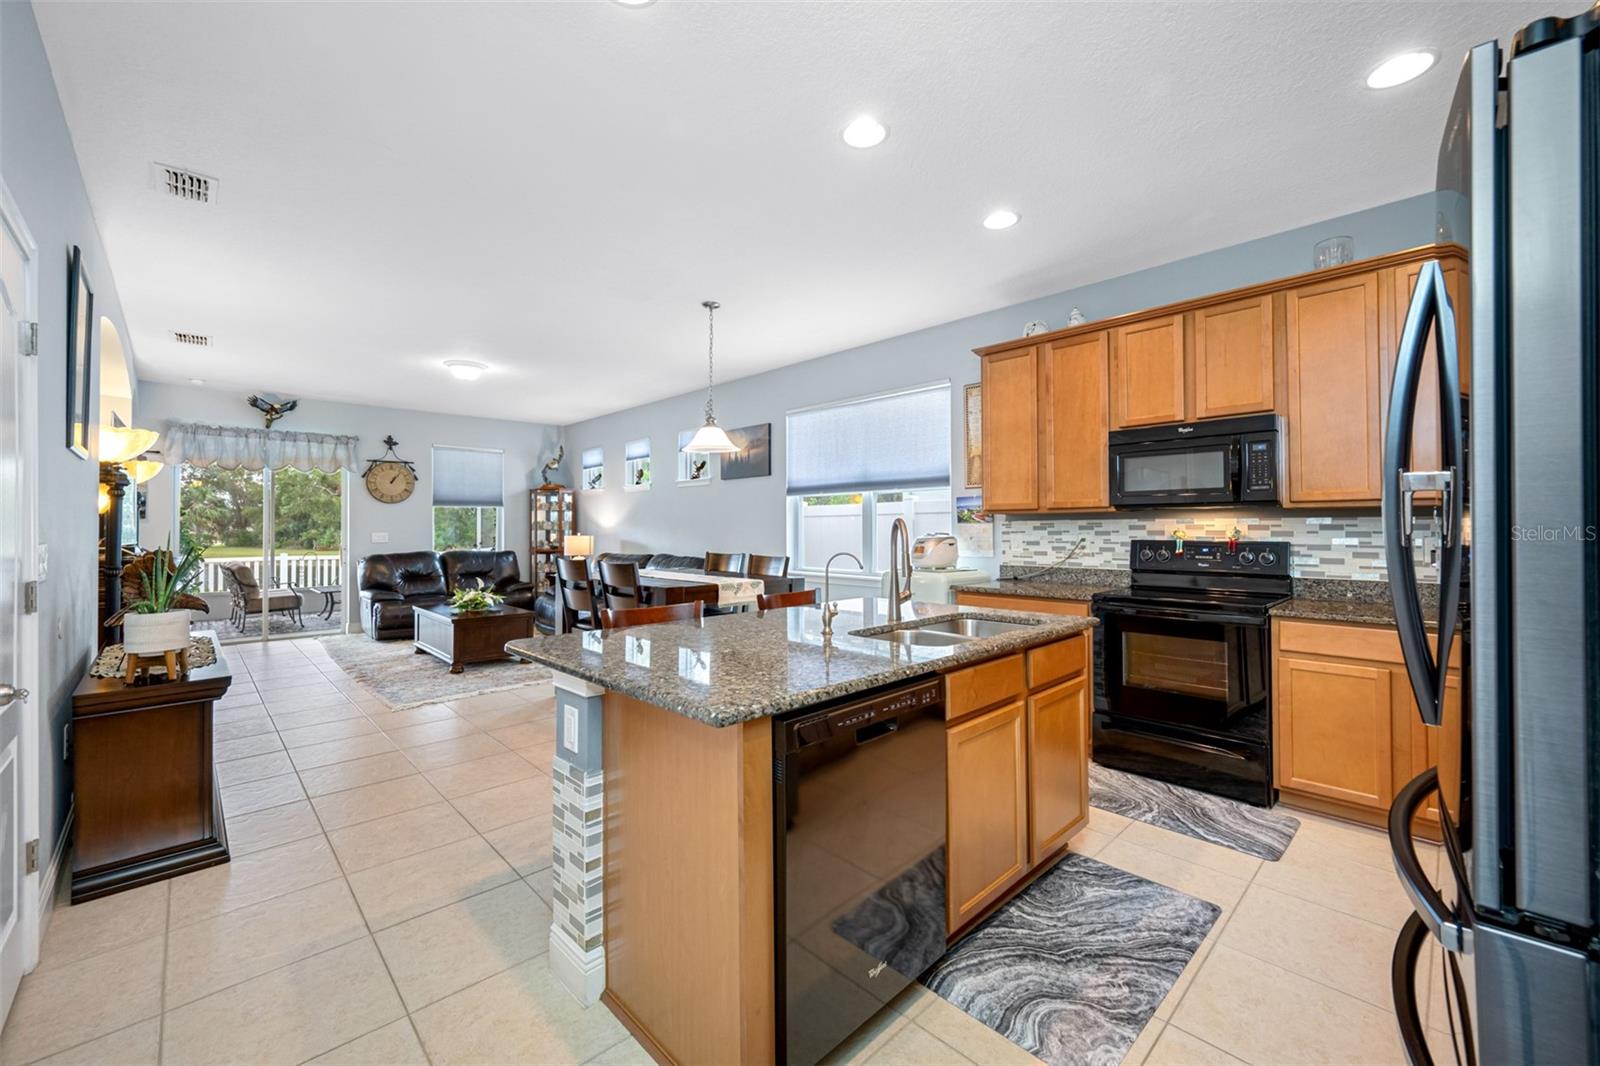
(387, 903)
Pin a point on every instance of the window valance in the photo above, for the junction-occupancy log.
(238, 447)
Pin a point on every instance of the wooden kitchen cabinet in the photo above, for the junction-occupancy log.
(1346, 732)
(1233, 358)
(1425, 430)
(1058, 779)
(988, 808)
(1075, 474)
(1011, 430)
(1147, 373)
(1017, 751)
(1333, 723)
(1334, 366)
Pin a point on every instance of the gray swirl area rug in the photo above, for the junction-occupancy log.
(1214, 819)
(393, 671)
(1073, 967)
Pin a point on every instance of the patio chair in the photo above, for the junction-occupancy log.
(247, 597)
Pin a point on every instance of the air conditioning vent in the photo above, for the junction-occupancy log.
(183, 184)
(199, 340)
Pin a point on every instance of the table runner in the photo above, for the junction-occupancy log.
(731, 591)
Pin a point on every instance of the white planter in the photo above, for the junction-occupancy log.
(152, 634)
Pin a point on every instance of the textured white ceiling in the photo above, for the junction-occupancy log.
(552, 189)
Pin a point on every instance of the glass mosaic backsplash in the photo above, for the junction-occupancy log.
(1348, 547)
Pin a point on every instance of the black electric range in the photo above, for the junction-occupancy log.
(1183, 692)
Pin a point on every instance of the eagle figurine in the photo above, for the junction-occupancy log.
(272, 407)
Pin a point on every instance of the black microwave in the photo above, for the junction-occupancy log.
(1226, 460)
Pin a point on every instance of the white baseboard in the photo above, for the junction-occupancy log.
(581, 973)
(50, 883)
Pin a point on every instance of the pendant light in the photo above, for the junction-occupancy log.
(711, 439)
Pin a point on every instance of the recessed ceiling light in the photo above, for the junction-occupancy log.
(1000, 219)
(636, 3)
(865, 132)
(1397, 70)
(465, 369)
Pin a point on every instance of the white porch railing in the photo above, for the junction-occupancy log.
(299, 571)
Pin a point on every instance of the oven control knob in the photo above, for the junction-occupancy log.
(1268, 558)
(1247, 557)
(1145, 555)
(1162, 554)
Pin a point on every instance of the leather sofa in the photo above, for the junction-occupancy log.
(391, 585)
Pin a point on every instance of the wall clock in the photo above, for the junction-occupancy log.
(389, 478)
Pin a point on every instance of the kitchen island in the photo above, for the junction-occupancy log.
(684, 885)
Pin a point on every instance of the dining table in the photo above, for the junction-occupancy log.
(729, 590)
(659, 591)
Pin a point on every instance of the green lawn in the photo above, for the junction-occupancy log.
(218, 552)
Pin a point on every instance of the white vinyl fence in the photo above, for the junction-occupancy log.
(297, 571)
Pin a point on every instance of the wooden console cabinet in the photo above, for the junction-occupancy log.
(1017, 748)
(145, 795)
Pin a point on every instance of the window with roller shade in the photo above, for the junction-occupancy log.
(592, 470)
(636, 465)
(468, 497)
(854, 467)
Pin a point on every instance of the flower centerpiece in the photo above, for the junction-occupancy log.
(481, 598)
(155, 621)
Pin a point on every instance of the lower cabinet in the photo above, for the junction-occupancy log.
(988, 797)
(1346, 732)
(1017, 747)
(1005, 602)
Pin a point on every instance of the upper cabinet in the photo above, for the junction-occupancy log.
(1074, 410)
(1011, 430)
(1334, 390)
(1233, 358)
(1317, 348)
(1147, 373)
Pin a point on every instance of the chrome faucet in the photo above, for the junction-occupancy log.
(829, 608)
(899, 555)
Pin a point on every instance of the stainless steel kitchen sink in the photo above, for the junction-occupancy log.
(943, 632)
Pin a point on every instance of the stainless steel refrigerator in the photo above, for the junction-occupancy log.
(1516, 904)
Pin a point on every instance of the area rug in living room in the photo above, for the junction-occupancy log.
(400, 677)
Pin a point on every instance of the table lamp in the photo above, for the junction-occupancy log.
(578, 545)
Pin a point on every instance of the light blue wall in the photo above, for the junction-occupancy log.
(749, 515)
(40, 168)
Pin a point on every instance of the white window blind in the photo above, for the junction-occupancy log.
(637, 449)
(898, 441)
(468, 477)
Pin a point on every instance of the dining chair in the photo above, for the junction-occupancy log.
(622, 618)
(576, 587)
(780, 600)
(620, 586)
(767, 566)
(728, 564)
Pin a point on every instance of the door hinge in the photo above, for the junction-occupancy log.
(29, 338)
(30, 857)
(30, 597)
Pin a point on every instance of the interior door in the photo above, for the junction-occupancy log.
(12, 697)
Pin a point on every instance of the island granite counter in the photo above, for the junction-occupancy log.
(663, 837)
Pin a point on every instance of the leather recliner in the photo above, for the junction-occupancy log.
(497, 570)
(391, 585)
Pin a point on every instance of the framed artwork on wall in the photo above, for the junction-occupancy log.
(973, 422)
(80, 354)
(754, 457)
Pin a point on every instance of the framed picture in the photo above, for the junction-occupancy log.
(80, 354)
(754, 457)
(973, 420)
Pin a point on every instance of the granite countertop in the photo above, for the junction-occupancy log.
(738, 667)
(1310, 608)
(1066, 583)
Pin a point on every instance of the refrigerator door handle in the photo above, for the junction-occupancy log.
(1430, 306)
(1442, 921)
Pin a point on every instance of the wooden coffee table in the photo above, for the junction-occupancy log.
(461, 637)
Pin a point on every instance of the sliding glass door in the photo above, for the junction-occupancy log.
(275, 560)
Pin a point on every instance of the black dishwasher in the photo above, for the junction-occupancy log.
(859, 804)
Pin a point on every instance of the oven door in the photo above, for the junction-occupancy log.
(1194, 667)
(1204, 470)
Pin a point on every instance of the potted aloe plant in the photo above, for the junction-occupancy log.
(155, 622)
